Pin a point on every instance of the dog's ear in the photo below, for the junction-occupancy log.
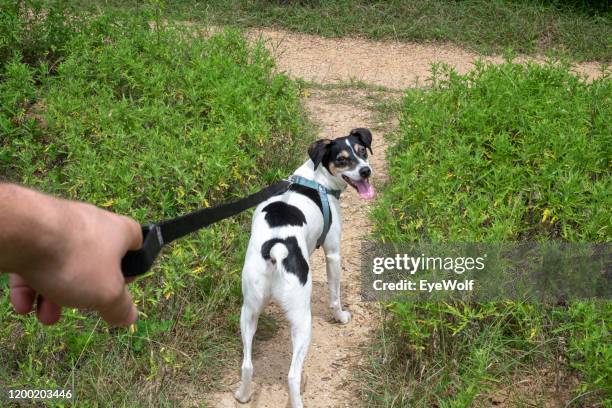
(365, 136)
(318, 150)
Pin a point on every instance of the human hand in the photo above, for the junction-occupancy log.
(76, 264)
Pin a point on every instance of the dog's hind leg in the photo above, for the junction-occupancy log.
(300, 338)
(251, 308)
(248, 325)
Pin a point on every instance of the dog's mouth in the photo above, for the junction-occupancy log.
(363, 187)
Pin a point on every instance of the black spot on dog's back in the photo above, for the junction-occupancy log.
(295, 262)
(280, 214)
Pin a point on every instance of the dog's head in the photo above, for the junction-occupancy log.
(346, 159)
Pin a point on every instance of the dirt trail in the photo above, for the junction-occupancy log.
(336, 350)
(392, 64)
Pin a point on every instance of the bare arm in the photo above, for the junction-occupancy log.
(65, 253)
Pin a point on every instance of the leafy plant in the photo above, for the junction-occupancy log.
(504, 153)
(150, 120)
(35, 30)
(580, 29)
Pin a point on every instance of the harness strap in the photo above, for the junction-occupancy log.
(155, 236)
(323, 192)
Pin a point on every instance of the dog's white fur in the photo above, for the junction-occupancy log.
(263, 279)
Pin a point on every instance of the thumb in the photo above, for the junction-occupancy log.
(133, 233)
(121, 311)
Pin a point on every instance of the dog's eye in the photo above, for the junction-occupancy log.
(342, 160)
(362, 151)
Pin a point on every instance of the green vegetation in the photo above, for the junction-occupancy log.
(504, 153)
(149, 122)
(581, 30)
(140, 116)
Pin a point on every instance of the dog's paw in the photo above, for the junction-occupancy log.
(343, 316)
(242, 396)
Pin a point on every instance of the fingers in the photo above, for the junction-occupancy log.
(121, 311)
(22, 295)
(106, 293)
(22, 298)
(47, 311)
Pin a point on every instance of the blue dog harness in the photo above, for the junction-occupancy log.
(323, 192)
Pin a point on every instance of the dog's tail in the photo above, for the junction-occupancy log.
(278, 253)
(287, 257)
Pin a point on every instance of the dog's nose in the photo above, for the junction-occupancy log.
(365, 172)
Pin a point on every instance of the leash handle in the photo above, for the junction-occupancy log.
(136, 263)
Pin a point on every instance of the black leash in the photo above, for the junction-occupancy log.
(155, 236)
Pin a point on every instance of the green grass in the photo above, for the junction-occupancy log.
(150, 123)
(155, 122)
(504, 153)
(581, 30)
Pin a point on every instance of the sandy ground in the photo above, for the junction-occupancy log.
(336, 350)
(392, 64)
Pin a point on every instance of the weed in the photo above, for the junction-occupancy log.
(35, 30)
(150, 122)
(503, 153)
(580, 29)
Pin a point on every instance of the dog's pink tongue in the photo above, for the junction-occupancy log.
(365, 189)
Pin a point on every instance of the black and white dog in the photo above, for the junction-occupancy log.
(286, 229)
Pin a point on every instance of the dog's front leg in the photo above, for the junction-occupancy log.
(334, 273)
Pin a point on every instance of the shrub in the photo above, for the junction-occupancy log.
(503, 153)
(35, 30)
(506, 152)
(149, 120)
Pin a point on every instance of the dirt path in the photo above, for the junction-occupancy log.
(392, 64)
(336, 350)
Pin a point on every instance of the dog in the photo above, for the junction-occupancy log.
(285, 231)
